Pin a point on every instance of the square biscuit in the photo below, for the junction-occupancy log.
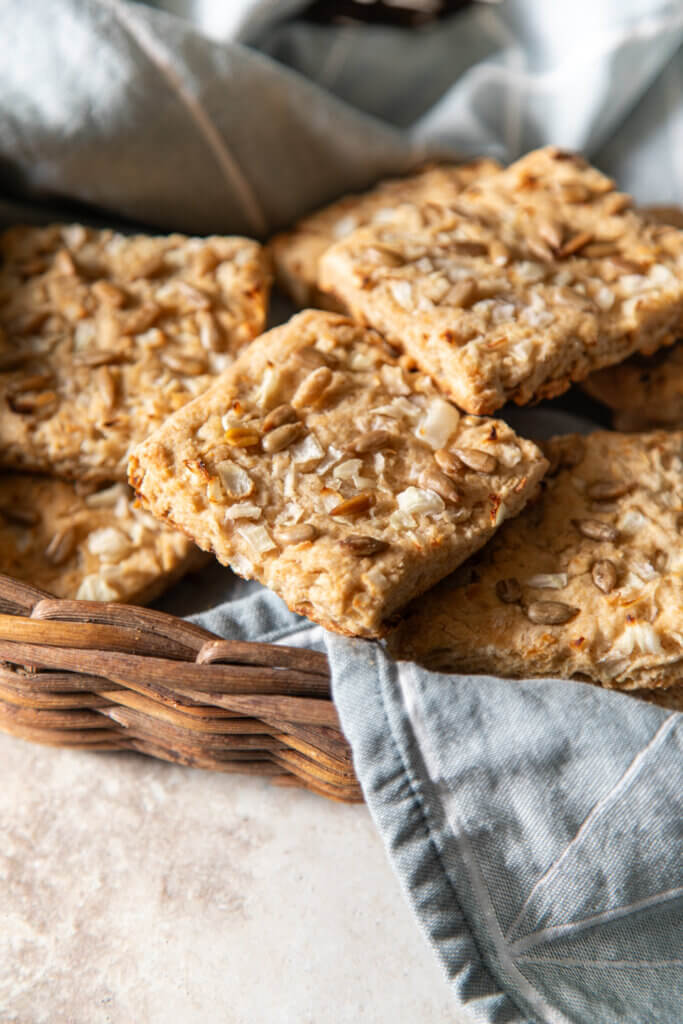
(643, 392)
(320, 467)
(529, 280)
(94, 546)
(296, 254)
(102, 336)
(587, 583)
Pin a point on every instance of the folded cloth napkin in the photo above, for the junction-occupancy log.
(534, 826)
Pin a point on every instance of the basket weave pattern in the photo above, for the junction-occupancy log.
(99, 676)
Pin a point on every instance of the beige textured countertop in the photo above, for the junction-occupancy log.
(136, 892)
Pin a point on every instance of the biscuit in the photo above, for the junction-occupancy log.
(296, 254)
(103, 336)
(643, 392)
(95, 547)
(586, 583)
(320, 467)
(527, 281)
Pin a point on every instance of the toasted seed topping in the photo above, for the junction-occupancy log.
(98, 357)
(297, 534)
(463, 294)
(607, 490)
(550, 613)
(449, 463)
(604, 575)
(278, 417)
(36, 382)
(363, 546)
(61, 546)
(106, 385)
(548, 580)
(187, 366)
(354, 506)
(433, 480)
(282, 436)
(371, 441)
(16, 516)
(311, 388)
(473, 458)
(551, 233)
(595, 529)
(509, 590)
(33, 402)
(574, 244)
(242, 437)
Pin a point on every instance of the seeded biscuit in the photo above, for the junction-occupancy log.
(103, 336)
(530, 279)
(96, 546)
(586, 583)
(296, 254)
(643, 392)
(320, 467)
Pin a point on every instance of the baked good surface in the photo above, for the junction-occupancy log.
(296, 254)
(102, 336)
(586, 583)
(322, 468)
(527, 281)
(644, 391)
(96, 546)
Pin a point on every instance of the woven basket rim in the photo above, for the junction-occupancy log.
(101, 676)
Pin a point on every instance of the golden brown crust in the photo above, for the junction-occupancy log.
(527, 281)
(320, 467)
(94, 546)
(586, 583)
(103, 336)
(297, 253)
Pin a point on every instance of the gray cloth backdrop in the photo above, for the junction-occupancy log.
(535, 827)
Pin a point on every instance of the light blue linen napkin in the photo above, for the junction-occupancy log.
(535, 826)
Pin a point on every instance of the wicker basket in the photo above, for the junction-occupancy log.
(100, 676)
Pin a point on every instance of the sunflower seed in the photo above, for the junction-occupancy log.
(354, 506)
(40, 402)
(242, 437)
(106, 385)
(604, 575)
(550, 613)
(509, 590)
(574, 244)
(463, 294)
(473, 458)
(278, 417)
(297, 534)
(108, 294)
(312, 387)
(448, 463)
(607, 490)
(371, 441)
(187, 366)
(364, 547)
(433, 480)
(61, 546)
(282, 436)
(551, 232)
(595, 529)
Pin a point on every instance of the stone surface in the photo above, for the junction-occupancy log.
(133, 890)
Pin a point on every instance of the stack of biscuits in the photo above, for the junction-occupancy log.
(102, 338)
(350, 459)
